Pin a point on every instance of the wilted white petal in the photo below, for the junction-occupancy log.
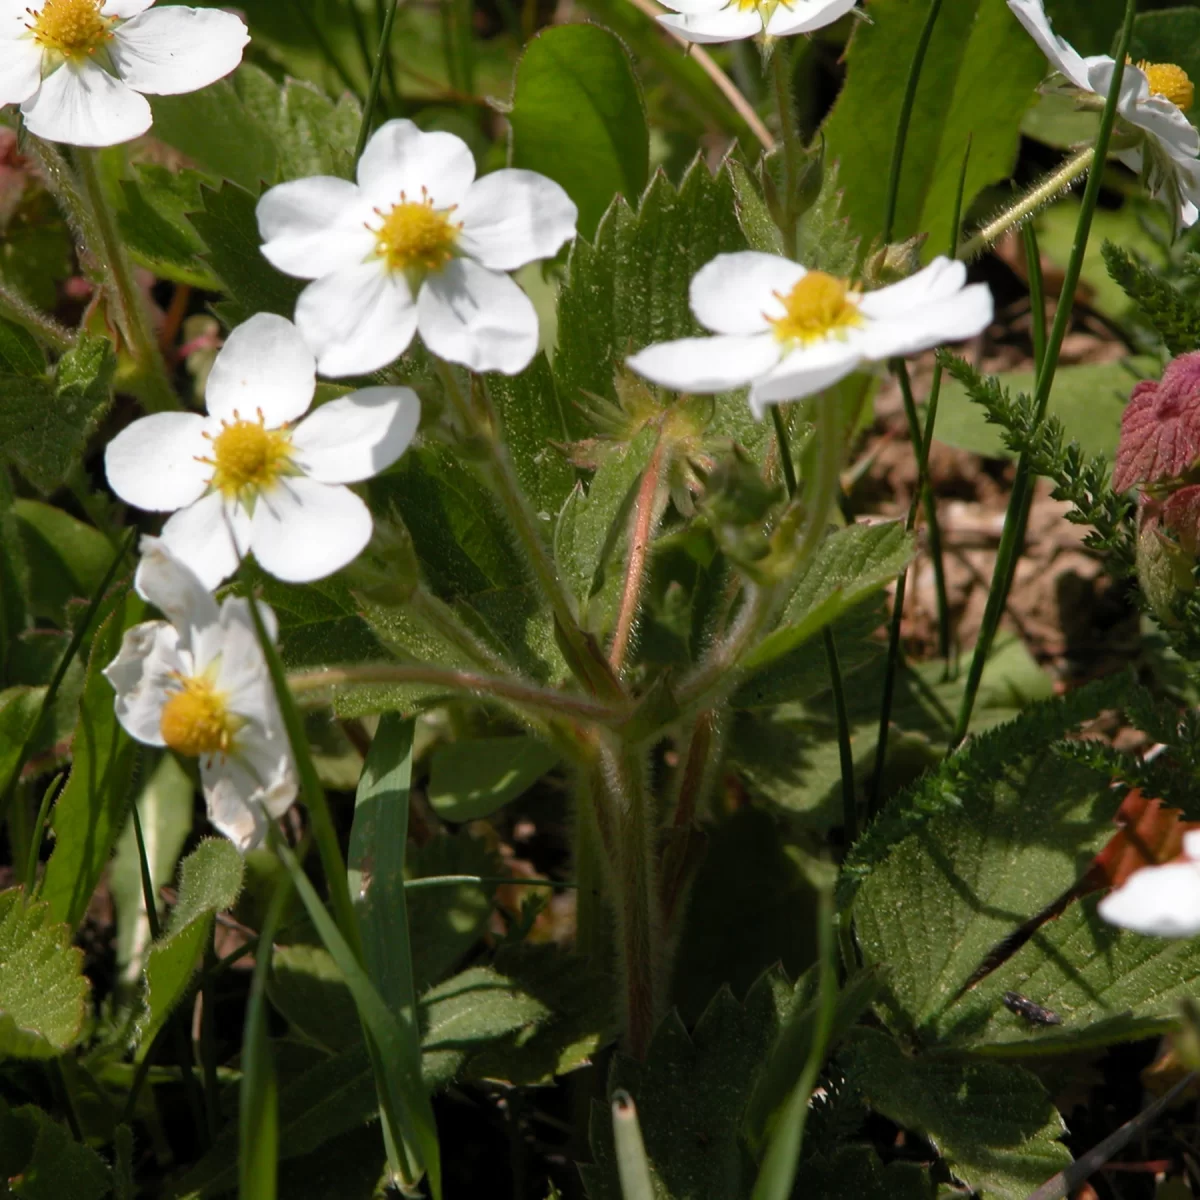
(805, 16)
(357, 436)
(304, 530)
(476, 317)
(514, 217)
(265, 366)
(400, 158)
(199, 536)
(1062, 55)
(733, 293)
(174, 49)
(229, 787)
(154, 464)
(357, 320)
(1164, 901)
(83, 105)
(707, 365)
(141, 675)
(311, 227)
(174, 589)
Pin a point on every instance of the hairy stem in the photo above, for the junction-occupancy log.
(156, 391)
(544, 702)
(1031, 203)
(590, 667)
(642, 525)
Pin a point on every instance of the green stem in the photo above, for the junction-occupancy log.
(789, 134)
(1022, 494)
(785, 449)
(906, 108)
(545, 702)
(382, 57)
(37, 833)
(156, 391)
(588, 665)
(1050, 188)
(15, 308)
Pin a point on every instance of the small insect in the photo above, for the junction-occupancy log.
(1035, 1014)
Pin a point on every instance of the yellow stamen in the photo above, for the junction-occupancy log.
(196, 719)
(818, 306)
(416, 236)
(1169, 81)
(72, 28)
(248, 456)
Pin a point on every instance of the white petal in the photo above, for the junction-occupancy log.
(86, 106)
(241, 671)
(173, 588)
(1191, 844)
(950, 320)
(695, 6)
(1135, 87)
(357, 436)
(804, 16)
(125, 8)
(401, 158)
(514, 217)
(141, 675)
(1164, 901)
(1062, 55)
(20, 68)
(728, 25)
(357, 320)
(476, 317)
(732, 293)
(311, 227)
(938, 281)
(265, 366)
(199, 536)
(153, 463)
(305, 530)
(270, 759)
(229, 788)
(806, 371)
(1167, 124)
(707, 365)
(174, 50)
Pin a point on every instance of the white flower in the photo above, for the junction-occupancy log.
(790, 332)
(418, 244)
(245, 478)
(79, 68)
(198, 683)
(731, 20)
(1162, 900)
(1154, 97)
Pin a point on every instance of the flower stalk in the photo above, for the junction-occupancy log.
(156, 391)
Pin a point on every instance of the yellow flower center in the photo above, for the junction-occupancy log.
(196, 719)
(819, 305)
(248, 456)
(1170, 81)
(416, 236)
(73, 28)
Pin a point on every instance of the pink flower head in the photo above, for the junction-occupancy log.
(1160, 429)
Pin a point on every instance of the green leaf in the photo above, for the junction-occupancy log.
(43, 992)
(219, 134)
(67, 559)
(1001, 830)
(20, 353)
(979, 77)
(1088, 400)
(307, 988)
(210, 879)
(849, 565)
(1175, 316)
(165, 808)
(43, 426)
(691, 1092)
(993, 1123)
(629, 286)
(577, 117)
(90, 812)
(473, 778)
(230, 231)
(40, 1160)
(154, 224)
